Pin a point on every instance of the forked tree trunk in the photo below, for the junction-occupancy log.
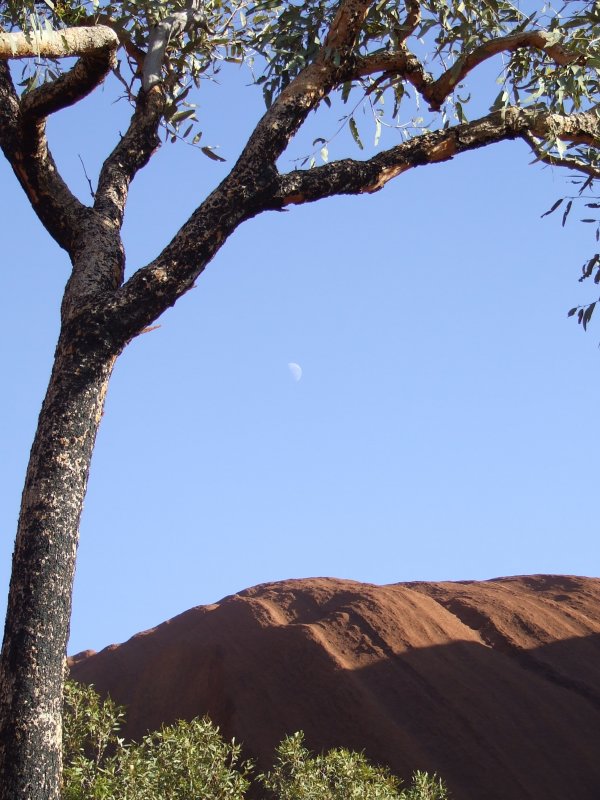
(39, 605)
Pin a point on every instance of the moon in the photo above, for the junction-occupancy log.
(295, 370)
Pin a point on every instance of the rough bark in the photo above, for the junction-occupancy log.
(39, 605)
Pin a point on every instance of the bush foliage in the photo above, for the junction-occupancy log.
(191, 761)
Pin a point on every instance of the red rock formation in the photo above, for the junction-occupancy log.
(495, 685)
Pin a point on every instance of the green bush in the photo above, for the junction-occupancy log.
(191, 761)
(185, 761)
(339, 775)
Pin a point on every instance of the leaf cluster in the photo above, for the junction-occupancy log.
(278, 39)
(192, 55)
(340, 775)
(191, 761)
(185, 760)
(591, 267)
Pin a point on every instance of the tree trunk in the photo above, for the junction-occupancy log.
(39, 605)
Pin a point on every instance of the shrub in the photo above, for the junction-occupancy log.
(184, 761)
(191, 761)
(340, 775)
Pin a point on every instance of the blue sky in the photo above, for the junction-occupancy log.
(443, 427)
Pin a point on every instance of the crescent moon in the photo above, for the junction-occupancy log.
(295, 370)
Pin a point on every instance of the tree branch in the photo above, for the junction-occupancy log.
(25, 146)
(272, 134)
(346, 24)
(77, 41)
(407, 66)
(154, 288)
(191, 19)
(96, 48)
(412, 21)
(129, 156)
(254, 184)
(70, 87)
(401, 62)
(135, 53)
(358, 177)
(539, 40)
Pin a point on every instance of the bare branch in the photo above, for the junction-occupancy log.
(154, 288)
(25, 146)
(70, 87)
(129, 156)
(78, 41)
(96, 47)
(401, 62)
(540, 40)
(581, 128)
(256, 185)
(359, 177)
(9, 108)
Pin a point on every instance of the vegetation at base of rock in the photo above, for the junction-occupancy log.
(191, 761)
(340, 774)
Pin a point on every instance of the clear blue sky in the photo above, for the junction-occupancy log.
(444, 425)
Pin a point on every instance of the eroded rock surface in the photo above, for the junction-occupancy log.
(493, 684)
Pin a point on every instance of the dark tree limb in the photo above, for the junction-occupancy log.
(254, 184)
(274, 131)
(25, 146)
(9, 108)
(23, 120)
(130, 155)
(247, 190)
(157, 286)
(358, 177)
(70, 87)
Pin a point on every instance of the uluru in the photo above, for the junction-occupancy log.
(494, 685)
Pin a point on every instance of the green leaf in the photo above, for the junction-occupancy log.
(354, 132)
(554, 207)
(179, 116)
(208, 151)
(588, 315)
(377, 132)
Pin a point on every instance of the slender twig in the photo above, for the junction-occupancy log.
(87, 177)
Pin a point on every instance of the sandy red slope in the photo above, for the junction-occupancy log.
(495, 685)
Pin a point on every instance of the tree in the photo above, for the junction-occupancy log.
(308, 54)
